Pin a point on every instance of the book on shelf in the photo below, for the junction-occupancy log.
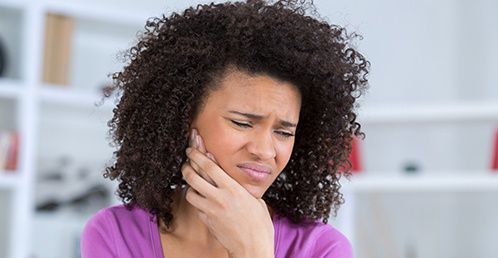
(9, 150)
(57, 51)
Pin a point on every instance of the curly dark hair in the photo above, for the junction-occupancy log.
(179, 59)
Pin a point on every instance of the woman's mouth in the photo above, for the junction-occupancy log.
(255, 171)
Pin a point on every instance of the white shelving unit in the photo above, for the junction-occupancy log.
(456, 185)
(395, 199)
(54, 120)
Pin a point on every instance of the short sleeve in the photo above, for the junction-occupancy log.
(98, 238)
(332, 244)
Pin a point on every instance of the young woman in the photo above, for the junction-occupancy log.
(233, 128)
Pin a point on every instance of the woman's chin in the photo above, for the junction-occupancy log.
(256, 191)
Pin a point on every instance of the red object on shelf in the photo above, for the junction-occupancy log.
(494, 163)
(12, 157)
(355, 157)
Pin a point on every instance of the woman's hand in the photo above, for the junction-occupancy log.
(240, 222)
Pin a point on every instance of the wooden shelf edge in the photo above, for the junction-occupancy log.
(96, 13)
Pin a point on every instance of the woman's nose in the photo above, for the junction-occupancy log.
(262, 146)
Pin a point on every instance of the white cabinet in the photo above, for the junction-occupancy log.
(63, 134)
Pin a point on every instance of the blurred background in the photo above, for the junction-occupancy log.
(425, 182)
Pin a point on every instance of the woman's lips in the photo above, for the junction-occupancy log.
(255, 171)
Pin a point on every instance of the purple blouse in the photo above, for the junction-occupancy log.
(118, 232)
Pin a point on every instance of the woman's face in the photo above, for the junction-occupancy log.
(248, 124)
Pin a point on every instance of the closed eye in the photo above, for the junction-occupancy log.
(285, 134)
(241, 124)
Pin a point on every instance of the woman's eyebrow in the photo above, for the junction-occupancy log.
(247, 115)
(287, 123)
(259, 117)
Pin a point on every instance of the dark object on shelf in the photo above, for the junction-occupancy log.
(68, 186)
(411, 168)
(97, 192)
(3, 57)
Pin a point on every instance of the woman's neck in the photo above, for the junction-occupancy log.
(186, 224)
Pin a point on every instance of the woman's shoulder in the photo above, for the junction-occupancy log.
(313, 239)
(122, 214)
(115, 229)
(121, 220)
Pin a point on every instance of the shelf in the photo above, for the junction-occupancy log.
(17, 4)
(10, 88)
(8, 180)
(61, 95)
(85, 125)
(430, 113)
(423, 184)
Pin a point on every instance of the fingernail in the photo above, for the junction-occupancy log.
(209, 155)
(188, 150)
(192, 135)
(197, 141)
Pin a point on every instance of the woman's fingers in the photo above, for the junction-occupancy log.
(200, 193)
(202, 163)
(196, 142)
(196, 199)
(194, 180)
